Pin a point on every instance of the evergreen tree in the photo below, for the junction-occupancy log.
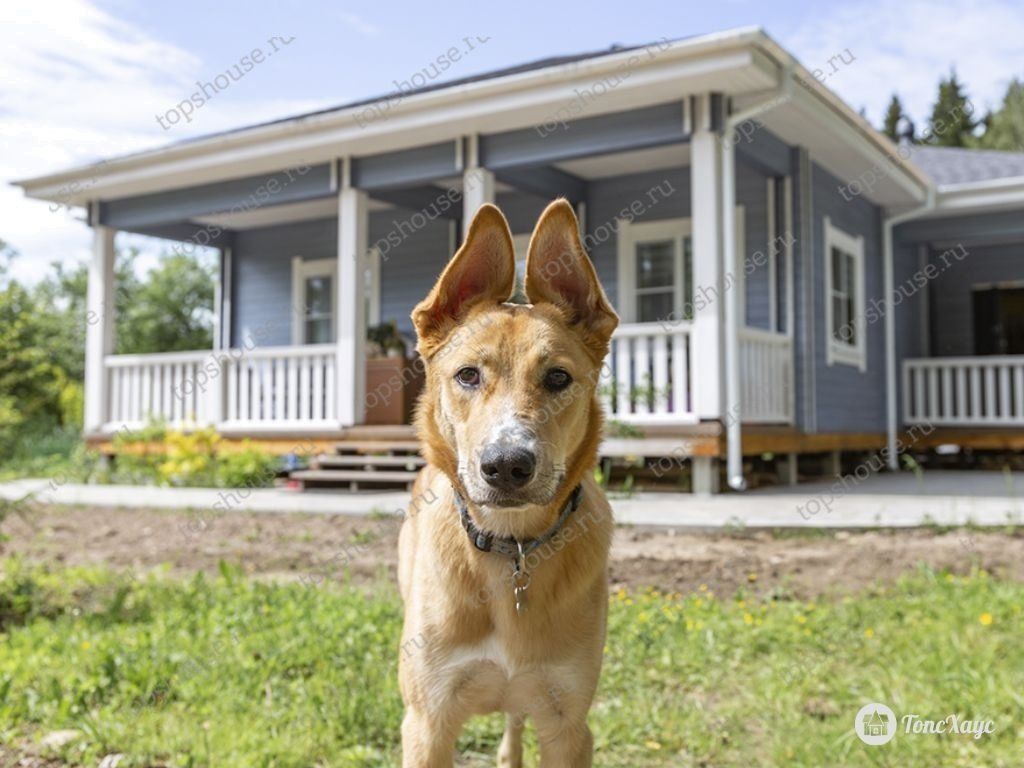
(952, 122)
(897, 124)
(1004, 128)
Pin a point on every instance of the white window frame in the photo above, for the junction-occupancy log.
(838, 351)
(303, 269)
(633, 233)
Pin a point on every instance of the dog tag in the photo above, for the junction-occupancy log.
(520, 582)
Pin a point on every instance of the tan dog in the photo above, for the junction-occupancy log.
(510, 425)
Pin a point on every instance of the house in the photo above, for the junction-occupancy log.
(789, 281)
(876, 724)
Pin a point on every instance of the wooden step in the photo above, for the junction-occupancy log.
(377, 446)
(379, 432)
(328, 461)
(351, 476)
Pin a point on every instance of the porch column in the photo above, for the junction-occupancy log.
(99, 329)
(477, 183)
(708, 267)
(353, 227)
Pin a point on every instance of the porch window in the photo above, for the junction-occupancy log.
(314, 300)
(844, 306)
(655, 271)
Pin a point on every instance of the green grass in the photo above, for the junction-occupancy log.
(234, 672)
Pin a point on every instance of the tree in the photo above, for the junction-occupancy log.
(897, 124)
(952, 122)
(1004, 128)
(171, 310)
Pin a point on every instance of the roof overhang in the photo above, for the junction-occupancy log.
(979, 197)
(744, 64)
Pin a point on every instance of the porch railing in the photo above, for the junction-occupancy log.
(286, 388)
(647, 374)
(964, 391)
(766, 376)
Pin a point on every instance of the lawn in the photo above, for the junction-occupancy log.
(231, 671)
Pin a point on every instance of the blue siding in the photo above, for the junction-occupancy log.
(262, 277)
(952, 312)
(752, 194)
(848, 400)
(409, 270)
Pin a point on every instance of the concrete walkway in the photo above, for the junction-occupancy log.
(898, 501)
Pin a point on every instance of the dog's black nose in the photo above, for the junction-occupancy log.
(507, 467)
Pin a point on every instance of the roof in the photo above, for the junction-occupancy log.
(955, 165)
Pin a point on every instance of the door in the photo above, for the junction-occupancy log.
(998, 320)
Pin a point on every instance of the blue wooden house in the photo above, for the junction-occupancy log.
(788, 279)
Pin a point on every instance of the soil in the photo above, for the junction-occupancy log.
(313, 548)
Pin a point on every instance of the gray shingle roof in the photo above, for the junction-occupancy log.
(952, 165)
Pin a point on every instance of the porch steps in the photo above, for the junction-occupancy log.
(371, 456)
(348, 461)
(353, 478)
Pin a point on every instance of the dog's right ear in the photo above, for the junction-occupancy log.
(482, 270)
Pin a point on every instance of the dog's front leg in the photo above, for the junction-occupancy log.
(564, 743)
(428, 741)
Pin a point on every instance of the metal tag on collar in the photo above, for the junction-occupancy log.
(520, 581)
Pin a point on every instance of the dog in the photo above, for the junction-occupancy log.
(504, 574)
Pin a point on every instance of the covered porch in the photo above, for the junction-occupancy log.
(363, 238)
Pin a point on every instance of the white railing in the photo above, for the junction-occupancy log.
(766, 377)
(158, 386)
(964, 391)
(647, 375)
(282, 387)
(287, 388)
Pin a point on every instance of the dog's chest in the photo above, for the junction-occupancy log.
(490, 676)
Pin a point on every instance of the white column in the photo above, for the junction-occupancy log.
(99, 333)
(353, 226)
(477, 189)
(477, 183)
(708, 268)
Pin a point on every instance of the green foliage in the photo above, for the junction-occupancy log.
(897, 124)
(157, 456)
(952, 122)
(236, 672)
(1004, 129)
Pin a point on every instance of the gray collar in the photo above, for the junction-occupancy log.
(509, 545)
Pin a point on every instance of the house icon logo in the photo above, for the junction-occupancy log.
(875, 724)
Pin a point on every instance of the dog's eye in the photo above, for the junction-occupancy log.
(468, 377)
(557, 379)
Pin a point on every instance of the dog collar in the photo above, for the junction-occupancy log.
(509, 545)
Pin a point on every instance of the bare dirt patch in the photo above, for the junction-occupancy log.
(318, 547)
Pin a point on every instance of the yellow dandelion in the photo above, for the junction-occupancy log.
(751, 577)
(807, 632)
(801, 619)
(703, 587)
(748, 619)
(950, 577)
(86, 645)
(652, 745)
(985, 619)
(741, 604)
(869, 632)
(690, 626)
(698, 602)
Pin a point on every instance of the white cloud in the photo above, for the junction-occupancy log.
(79, 85)
(906, 47)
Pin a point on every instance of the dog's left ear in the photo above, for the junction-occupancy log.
(558, 271)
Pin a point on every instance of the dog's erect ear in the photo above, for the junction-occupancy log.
(483, 270)
(558, 271)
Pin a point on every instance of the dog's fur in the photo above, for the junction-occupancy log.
(465, 650)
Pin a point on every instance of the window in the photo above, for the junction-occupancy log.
(655, 271)
(998, 319)
(314, 300)
(844, 305)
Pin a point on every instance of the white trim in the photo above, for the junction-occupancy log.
(788, 239)
(350, 317)
(477, 189)
(838, 351)
(373, 298)
(740, 265)
(773, 255)
(99, 330)
(303, 269)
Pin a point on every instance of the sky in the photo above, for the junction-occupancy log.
(82, 80)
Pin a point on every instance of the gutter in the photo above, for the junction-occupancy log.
(891, 413)
(734, 437)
